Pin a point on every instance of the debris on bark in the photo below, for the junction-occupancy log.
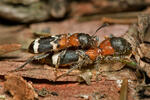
(135, 36)
(19, 88)
(85, 76)
(45, 92)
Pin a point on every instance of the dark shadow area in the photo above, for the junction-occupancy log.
(2, 58)
(41, 81)
(142, 94)
(2, 77)
(146, 59)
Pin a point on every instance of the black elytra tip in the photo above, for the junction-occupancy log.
(120, 45)
(42, 45)
(31, 49)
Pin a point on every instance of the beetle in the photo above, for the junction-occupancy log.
(111, 49)
(62, 41)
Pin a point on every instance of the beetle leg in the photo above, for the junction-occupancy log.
(97, 65)
(30, 60)
(79, 65)
(83, 61)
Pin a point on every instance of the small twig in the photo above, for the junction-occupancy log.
(124, 90)
(124, 15)
(118, 21)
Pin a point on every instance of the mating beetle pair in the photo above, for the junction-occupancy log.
(77, 50)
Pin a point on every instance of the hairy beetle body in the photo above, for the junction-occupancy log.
(115, 46)
(63, 41)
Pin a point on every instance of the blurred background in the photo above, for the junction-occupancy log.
(21, 21)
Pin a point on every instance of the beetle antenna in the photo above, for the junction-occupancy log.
(102, 26)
